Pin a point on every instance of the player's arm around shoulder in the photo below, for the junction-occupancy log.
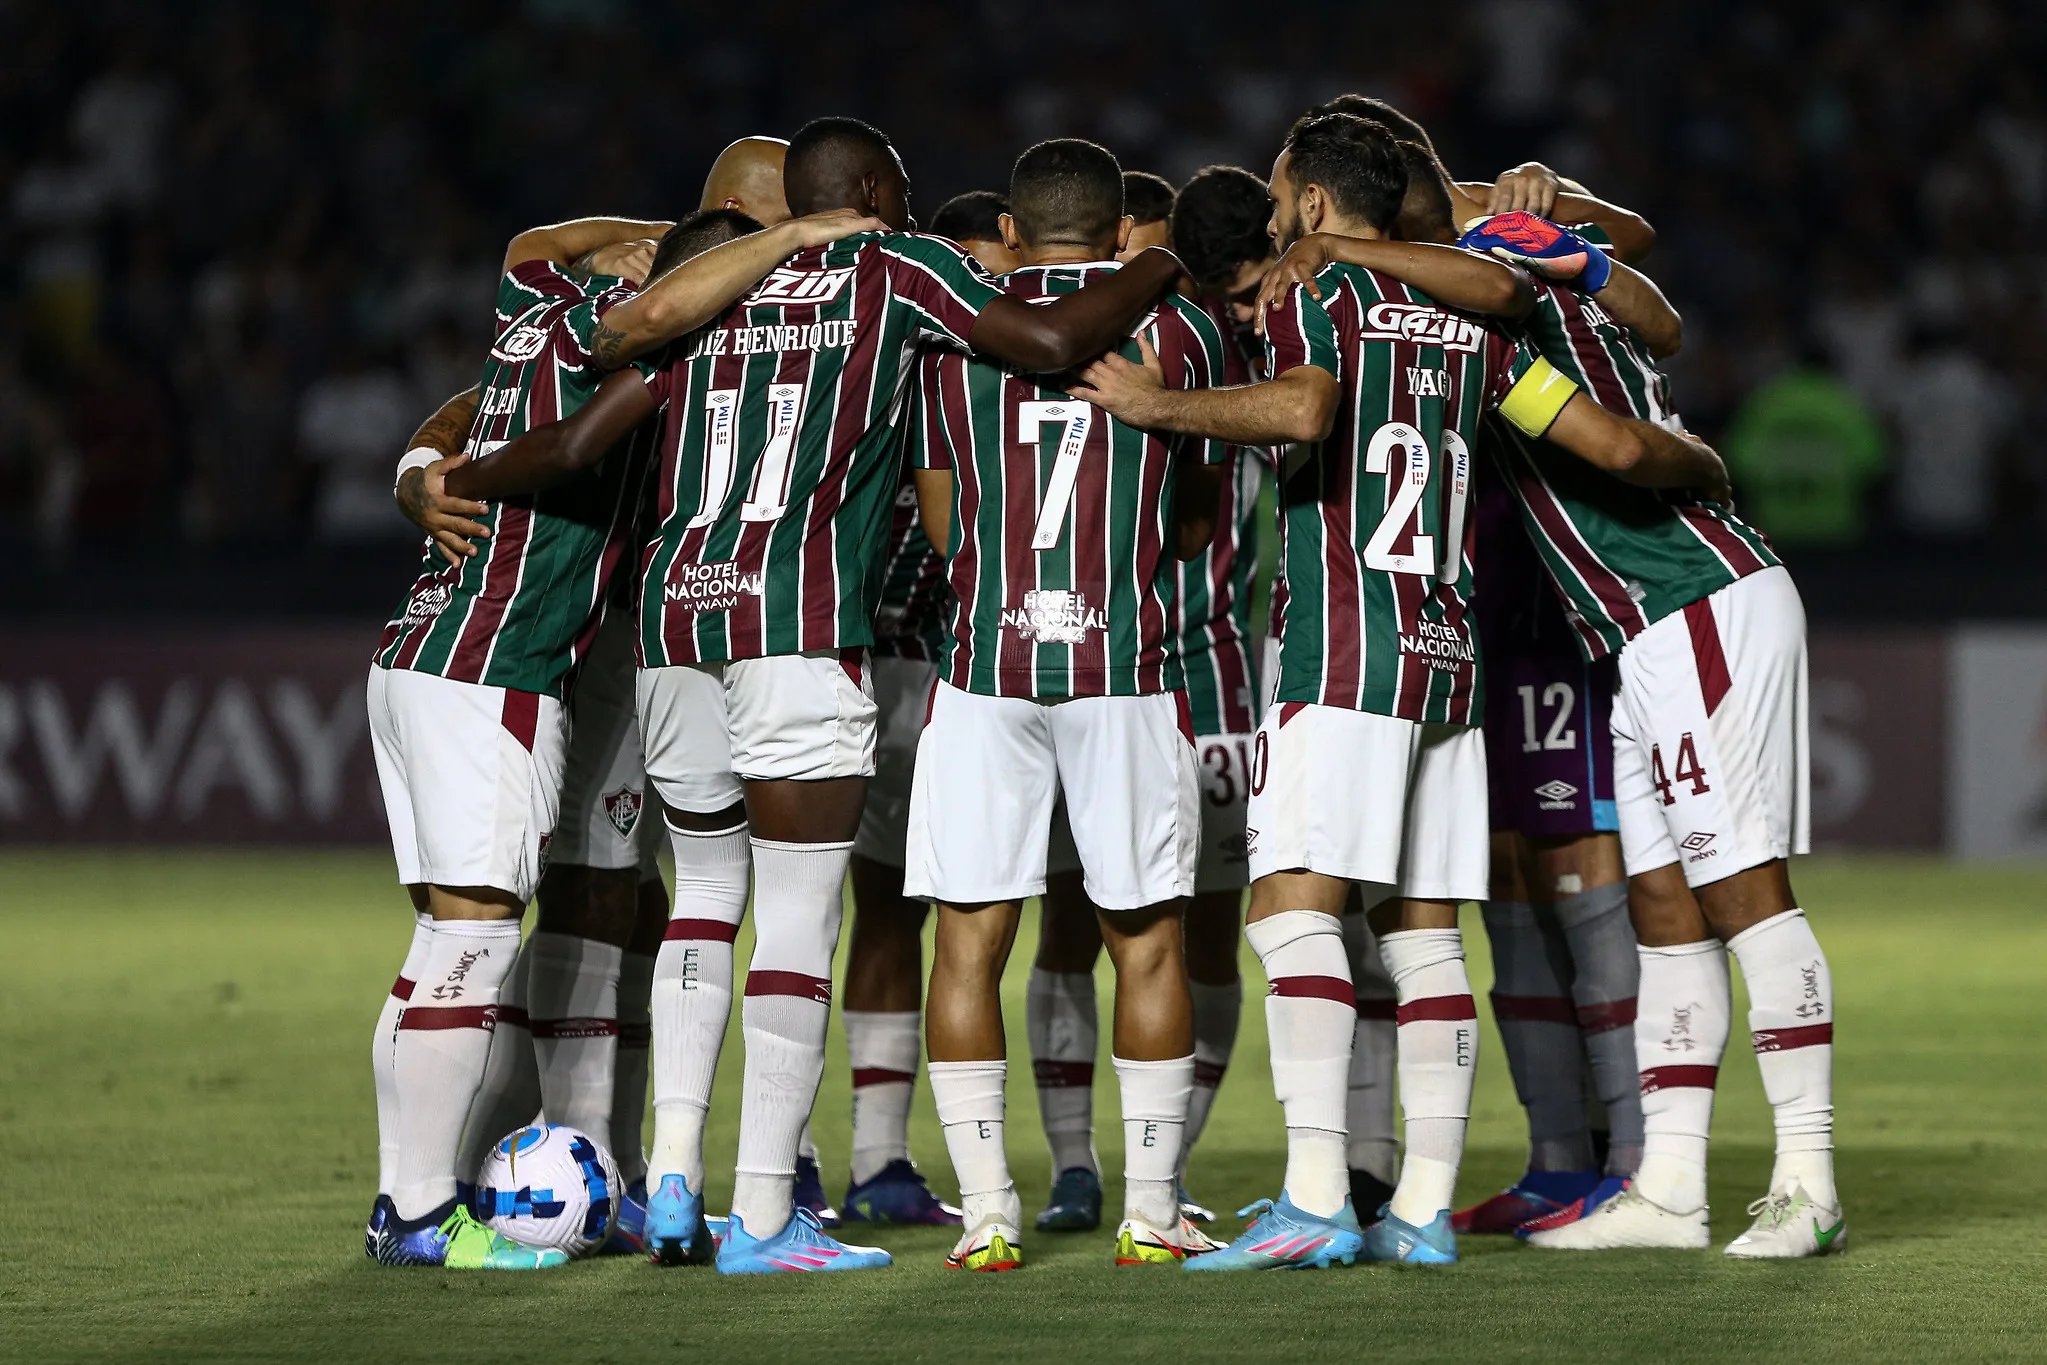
(555, 451)
(420, 489)
(1191, 354)
(1546, 404)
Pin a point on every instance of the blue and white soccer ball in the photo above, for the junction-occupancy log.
(551, 1186)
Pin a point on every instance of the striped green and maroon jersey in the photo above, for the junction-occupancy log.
(522, 610)
(1212, 600)
(1621, 556)
(780, 454)
(1061, 562)
(1374, 530)
(915, 602)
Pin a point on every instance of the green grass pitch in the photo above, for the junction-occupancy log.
(187, 1156)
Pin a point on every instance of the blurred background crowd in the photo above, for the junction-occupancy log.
(246, 247)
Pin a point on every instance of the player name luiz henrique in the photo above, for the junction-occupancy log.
(1442, 645)
(776, 336)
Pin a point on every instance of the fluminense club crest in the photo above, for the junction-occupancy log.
(622, 808)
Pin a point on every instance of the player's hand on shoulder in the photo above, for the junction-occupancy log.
(1530, 187)
(423, 498)
(822, 229)
(627, 260)
(1529, 240)
(1123, 390)
(1720, 488)
(1299, 266)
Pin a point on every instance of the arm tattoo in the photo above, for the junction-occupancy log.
(607, 345)
(412, 496)
(448, 428)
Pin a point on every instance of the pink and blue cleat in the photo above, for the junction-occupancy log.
(673, 1225)
(1395, 1239)
(801, 1246)
(1286, 1237)
(1536, 1194)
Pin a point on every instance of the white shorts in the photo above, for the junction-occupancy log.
(471, 778)
(902, 692)
(1711, 765)
(806, 717)
(605, 822)
(1225, 765)
(1397, 805)
(990, 769)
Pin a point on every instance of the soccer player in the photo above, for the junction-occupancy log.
(1148, 203)
(757, 607)
(747, 178)
(1060, 676)
(973, 220)
(465, 697)
(1370, 769)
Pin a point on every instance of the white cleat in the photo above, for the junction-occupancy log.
(1628, 1221)
(992, 1244)
(1789, 1225)
(1142, 1242)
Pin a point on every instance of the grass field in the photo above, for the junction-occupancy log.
(187, 1154)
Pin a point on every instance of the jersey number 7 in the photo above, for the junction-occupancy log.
(1075, 418)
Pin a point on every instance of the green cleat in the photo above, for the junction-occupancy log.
(477, 1246)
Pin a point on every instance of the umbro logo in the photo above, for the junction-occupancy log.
(1556, 794)
(1697, 840)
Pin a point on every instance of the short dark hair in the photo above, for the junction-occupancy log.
(1147, 198)
(1400, 125)
(1066, 190)
(1353, 159)
(1426, 212)
(1219, 222)
(696, 234)
(970, 217)
(826, 160)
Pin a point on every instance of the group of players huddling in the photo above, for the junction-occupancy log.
(927, 557)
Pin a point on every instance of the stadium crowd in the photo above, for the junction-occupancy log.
(249, 246)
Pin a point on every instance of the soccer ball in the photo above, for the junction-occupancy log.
(551, 1186)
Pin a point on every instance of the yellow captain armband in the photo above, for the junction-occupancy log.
(1537, 397)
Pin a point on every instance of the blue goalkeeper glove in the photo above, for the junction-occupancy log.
(1550, 251)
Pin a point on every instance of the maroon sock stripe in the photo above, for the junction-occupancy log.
(575, 1028)
(1051, 1075)
(711, 930)
(1377, 1007)
(1715, 682)
(1209, 1074)
(1315, 988)
(433, 1017)
(1449, 1009)
(1679, 1078)
(514, 1016)
(1784, 1039)
(402, 988)
(1533, 1009)
(1607, 1015)
(635, 1035)
(864, 1076)
(789, 983)
(521, 716)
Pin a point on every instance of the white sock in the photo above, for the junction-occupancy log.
(1216, 1012)
(443, 1042)
(509, 1097)
(1438, 1022)
(1310, 1013)
(788, 1005)
(629, 1075)
(572, 999)
(1531, 999)
(969, 1098)
(1061, 1022)
(1681, 1024)
(806, 1146)
(692, 996)
(1791, 1015)
(1155, 1097)
(1373, 1145)
(382, 1042)
(1605, 975)
(883, 1049)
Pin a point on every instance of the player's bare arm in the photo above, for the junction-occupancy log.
(1633, 300)
(701, 288)
(631, 260)
(1046, 338)
(1451, 276)
(1636, 451)
(564, 243)
(548, 454)
(934, 505)
(1299, 405)
(419, 492)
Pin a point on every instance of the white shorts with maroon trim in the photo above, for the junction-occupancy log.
(1711, 766)
(806, 717)
(471, 777)
(990, 769)
(902, 694)
(605, 817)
(1397, 805)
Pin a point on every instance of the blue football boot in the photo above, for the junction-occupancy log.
(452, 1237)
(381, 1212)
(897, 1194)
(672, 1225)
(801, 1246)
(1076, 1202)
(809, 1193)
(1576, 1211)
(628, 1235)
(1394, 1239)
(1536, 1194)
(1286, 1237)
